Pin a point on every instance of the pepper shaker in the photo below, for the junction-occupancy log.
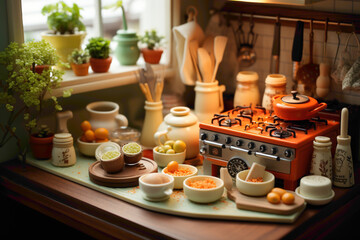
(321, 163)
(343, 169)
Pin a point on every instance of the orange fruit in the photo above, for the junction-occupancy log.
(85, 125)
(83, 138)
(273, 198)
(89, 135)
(101, 140)
(288, 198)
(279, 191)
(172, 166)
(101, 133)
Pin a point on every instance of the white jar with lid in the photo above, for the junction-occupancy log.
(247, 90)
(275, 84)
(63, 152)
(321, 163)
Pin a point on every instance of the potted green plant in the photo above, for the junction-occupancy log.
(41, 143)
(127, 51)
(67, 31)
(80, 62)
(22, 89)
(100, 59)
(151, 53)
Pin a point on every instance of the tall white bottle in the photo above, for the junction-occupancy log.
(343, 164)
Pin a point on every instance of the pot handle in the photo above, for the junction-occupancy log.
(158, 136)
(320, 107)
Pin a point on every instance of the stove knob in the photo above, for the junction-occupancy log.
(262, 148)
(228, 140)
(273, 150)
(202, 151)
(239, 143)
(287, 153)
(203, 136)
(251, 145)
(215, 137)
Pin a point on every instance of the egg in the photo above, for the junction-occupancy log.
(155, 178)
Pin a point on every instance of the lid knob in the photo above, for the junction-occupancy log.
(294, 93)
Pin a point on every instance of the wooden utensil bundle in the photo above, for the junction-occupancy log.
(151, 84)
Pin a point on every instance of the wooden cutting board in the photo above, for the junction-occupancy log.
(261, 204)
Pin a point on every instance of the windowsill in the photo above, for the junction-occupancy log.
(116, 76)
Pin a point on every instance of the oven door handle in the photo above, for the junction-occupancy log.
(215, 144)
(232, 148)
(268, 156)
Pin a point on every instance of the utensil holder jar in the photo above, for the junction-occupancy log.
(208, 99)
(153, 119)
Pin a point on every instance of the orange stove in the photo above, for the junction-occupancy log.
(237, 138)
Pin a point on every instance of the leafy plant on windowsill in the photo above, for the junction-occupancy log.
(79, 56)
(62, 18)
(98, 47)
(151, 39)
(22, 89)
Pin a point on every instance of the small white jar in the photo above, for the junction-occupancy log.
(63, 152)
(275, 84)
(321, 163)
(247, 90)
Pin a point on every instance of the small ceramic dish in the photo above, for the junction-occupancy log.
(163, 159)
(106, 147)
(255, 188)
(179, 180)
(156, 186)
(201, 195)
(132, 158)
(114, 164)
(87, 148)
(316, 190)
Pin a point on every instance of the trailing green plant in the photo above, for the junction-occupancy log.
(22, 89)
(61, 18)
(151, 39)
(98, 47)
(79, 56)
(44, 132)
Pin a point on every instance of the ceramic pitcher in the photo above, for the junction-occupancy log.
(208, 99)
(106, 115)
(181, 124)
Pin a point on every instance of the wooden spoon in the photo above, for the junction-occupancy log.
(219, 49)
(205, 65)
(193, 47)
(209, 46)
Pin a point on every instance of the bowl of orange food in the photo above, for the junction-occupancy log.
(180, 172)
(91, 139)
(203, 188)
(255, 187)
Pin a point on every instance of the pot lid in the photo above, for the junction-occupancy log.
(295, 98)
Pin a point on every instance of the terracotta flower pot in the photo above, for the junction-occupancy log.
(41, 147)
(40, 68)
(80, 69)
(100, 65)
(152, 56)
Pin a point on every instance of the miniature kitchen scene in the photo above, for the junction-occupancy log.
(158, 119)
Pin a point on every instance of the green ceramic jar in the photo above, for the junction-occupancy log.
(127, 51)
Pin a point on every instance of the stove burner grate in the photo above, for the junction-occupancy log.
(280, 132)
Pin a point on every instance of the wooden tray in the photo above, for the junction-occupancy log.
(261, 204)
(128, 177)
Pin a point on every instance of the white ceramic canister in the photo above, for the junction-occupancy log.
(105, 114)
(275, 84)
(321, 163)
(63, 152)
(181, 124)
(247, 90)
(153, 119)
(208, 99)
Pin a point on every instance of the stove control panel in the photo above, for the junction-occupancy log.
(234, 150)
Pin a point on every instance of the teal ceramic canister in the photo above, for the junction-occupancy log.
(127, 51)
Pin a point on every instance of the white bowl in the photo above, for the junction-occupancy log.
(105, 147)
(204, 195)
(179, 180)
(316, 201)
(163, 159)
(156, 192)
(87, 148)
(255, 188)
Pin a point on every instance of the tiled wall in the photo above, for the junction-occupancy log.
(229, 68)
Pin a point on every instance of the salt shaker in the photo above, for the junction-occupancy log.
(321, 163)
(63, 152)
(343, 169)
